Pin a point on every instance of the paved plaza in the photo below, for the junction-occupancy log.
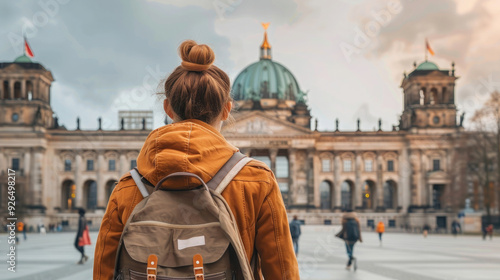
(322, 256)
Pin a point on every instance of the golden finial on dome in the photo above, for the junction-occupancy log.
(265, 48)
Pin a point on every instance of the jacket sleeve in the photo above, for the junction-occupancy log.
(359, 230)
(273, 240)
(81, 226)
(107, 241)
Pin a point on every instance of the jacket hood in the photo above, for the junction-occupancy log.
(188, 146)
(349, 215)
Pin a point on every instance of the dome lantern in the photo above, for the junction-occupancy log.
(265, 48)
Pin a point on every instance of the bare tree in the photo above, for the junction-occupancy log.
(484, 151)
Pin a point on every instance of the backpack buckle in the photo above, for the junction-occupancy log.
(198, 267)
(151, 270)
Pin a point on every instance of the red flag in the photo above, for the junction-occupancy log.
(428, 47)
(27, 49)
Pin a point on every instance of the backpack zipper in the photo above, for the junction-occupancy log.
(168, 225)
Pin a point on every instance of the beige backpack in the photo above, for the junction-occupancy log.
(184, 234)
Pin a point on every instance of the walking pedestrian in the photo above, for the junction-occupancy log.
(198, 100)
(380, 231)
(82, 223)
(455, 228)
(295, 232)
(426, 230)
(350, 233)
(25, 229)
(21, 227)
(489, 230)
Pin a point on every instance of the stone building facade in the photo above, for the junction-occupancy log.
(405, 177)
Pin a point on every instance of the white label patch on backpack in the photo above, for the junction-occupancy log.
(191, 242)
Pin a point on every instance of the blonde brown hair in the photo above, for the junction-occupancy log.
(197, 89)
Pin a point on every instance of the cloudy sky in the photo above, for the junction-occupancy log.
(350, 55)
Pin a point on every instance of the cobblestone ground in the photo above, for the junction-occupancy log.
(321, 256)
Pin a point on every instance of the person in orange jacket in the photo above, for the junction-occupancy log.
(380, 230)
(198, 101)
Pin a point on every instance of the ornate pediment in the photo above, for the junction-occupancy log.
(259, 123)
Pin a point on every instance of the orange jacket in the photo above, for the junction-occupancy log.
(253, 196)
(380, 227)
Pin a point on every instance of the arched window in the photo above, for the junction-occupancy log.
(91, 194)
(6, 92)
(68, 194)
(325, 190)
(446, 98)
(346, 194)
(110, 185)
(390, 195)
(17, 90)
(434, 96)
(29, 90)
(368, 193)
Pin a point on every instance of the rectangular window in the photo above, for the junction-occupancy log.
(347, 165)
(264, 159)
(281, 167)
(67, 165)
(90, 164)
(392, 223)
(284, 192)
(133, 163)
(436, 165)
(368, 165)
(111, 165)
(370, 223)
(325, 164)
(15, 164)
(390, 165)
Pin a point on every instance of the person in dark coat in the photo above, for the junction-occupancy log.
(82, 222)
(350, 233)
(295, 232)
(455, 228)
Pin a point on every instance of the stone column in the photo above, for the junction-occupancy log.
(310, 176)
(3, 164)
(27, 161)
(78, 181)
(36, 89)
(101, 188)
(291, 175)
(123, 164)
(404, 185)
(379, 201)
(36, 177)
(358, 193)
(272, 156)
(24, 95)
(449, 193)
(11, 89)
(430, 201)
(337, 166)
(425, 192)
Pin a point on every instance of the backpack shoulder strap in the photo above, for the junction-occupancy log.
(227, 172)
(137, 179)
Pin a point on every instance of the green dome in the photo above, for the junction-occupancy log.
(266, 79)
(427, 65)
(23, 58)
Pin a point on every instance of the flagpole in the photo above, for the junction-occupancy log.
(425, 49)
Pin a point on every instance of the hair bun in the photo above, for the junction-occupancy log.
(196, 57)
